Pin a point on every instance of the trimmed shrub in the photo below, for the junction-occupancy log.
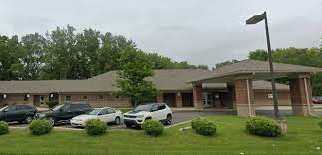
(153, 127)
(95, 127)
(204, 127)
(51, 104)
(40, 127)
(4, 128)
(263, 126)
(195, 123)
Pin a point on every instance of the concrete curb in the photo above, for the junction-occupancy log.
(70, 129)
(180, 123)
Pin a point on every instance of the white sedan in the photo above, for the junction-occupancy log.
(106, 114)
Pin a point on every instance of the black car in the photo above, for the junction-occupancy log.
(23, 113)
(64, 112)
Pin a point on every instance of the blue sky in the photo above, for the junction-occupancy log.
(197, 31)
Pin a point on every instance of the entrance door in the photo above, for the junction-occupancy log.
(187, 100)
(170, 99)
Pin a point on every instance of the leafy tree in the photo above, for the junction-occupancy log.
(33, 51)
(226, 63)
(111, 51)
(10, 54)
(135, 68)
(65, 53)
(61, 55)
(299, 56)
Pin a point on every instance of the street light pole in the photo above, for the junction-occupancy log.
(271, 69)
(254, 20)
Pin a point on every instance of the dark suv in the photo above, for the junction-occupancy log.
(64, 112)
(23, 113)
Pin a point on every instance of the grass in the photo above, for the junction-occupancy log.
(304, 137)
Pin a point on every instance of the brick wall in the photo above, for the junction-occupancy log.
(16, 99)
(262, 99)
(197, 96)
(241, 97)
(299, 96)
(95, 101)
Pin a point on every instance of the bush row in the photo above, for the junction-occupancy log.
(261, 126)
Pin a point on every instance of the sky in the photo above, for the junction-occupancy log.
(197, 31)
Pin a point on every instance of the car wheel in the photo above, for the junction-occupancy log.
(28, 120)
(117, 121)
(169, 120)
(128, 125)
(51, 121)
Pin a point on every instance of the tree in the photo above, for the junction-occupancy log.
(298, 56)
(135, 68)
(32, 57)
(10, 55)
(65, 53)
(61, 54)
(226, 63)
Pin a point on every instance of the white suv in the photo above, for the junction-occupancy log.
(155, 111)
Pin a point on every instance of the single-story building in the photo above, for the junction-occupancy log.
(178, 87)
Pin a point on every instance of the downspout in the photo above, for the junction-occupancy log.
(248, 98)
(307, 97)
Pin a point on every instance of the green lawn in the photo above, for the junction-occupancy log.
(303, 137)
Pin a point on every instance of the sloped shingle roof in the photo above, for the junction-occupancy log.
(256, 66)
(171, 79)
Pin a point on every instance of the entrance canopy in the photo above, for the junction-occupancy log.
(258, 70)
(240, 76)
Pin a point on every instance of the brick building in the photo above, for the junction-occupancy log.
(225, 87)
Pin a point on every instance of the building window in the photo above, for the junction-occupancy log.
(42, 99)
(100, 97)
(68, 98)
(84, 97)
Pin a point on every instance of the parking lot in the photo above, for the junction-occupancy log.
(183, 116)
(178, 117)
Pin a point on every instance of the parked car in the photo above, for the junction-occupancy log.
(317, 99)
(106, 114)
(23, 113)
(64, 112)
(155, 111)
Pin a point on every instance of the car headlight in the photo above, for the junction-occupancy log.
(140, 116)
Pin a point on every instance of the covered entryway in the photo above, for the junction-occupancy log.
(240, 76)
(169, 99)
(187, 100)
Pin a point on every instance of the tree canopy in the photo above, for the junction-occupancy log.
(298, 56)
(65, 53)
(135, 68)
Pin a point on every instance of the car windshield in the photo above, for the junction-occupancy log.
(5, 107)
(94, 112)
(57, 107)
(145, 107)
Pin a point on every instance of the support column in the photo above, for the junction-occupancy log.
(160, 97)
(178, 100)
(197, 95)
(244, 97)
(60, 99)
(301, 95)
